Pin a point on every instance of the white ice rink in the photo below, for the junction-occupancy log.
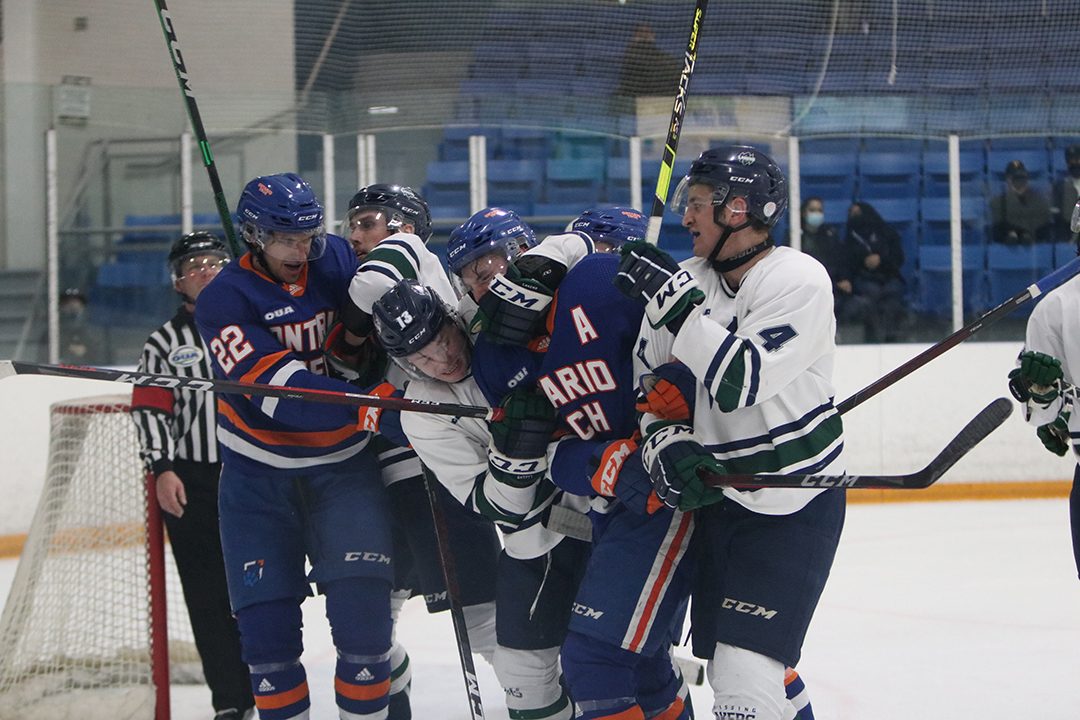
(935, 611)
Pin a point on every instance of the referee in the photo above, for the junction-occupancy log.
(178, 444)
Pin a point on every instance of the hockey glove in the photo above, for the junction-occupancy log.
(1055, 435)
(371, 417)
(650, 275)
(514, 309)
(673, 457)
(517, 453)
(668, 392)
(362, 364)
(617, 471)
(1042, 375)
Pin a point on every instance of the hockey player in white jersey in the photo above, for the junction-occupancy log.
(1051, 356)
(388, 227)
(754, 325)
(540, 568)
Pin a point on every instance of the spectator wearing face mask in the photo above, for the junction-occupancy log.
(1020, 215)
(1066, 193)
(822, 242)
(876, 254)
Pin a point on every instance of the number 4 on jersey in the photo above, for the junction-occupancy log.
(774, 338)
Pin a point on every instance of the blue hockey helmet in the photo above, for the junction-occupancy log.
(490, 230)
(737, 171)
(282, 203)
(611, 225)
(409, 321)
(404, 206)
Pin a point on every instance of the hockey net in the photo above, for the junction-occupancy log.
(80, 635)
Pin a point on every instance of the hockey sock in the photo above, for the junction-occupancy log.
(797, 695)
(400, 683)
(400, 669)
(530, 679)
(661, 691)
(281, 691)
(602, 679)
(271, 645)
(480, 623)
(359, 613)
(746, 684)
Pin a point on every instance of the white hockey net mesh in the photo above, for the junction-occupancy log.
(75, 632)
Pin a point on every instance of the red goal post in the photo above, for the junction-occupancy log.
(95, 618)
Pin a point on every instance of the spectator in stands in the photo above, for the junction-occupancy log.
(646, 68)
(875, 254)
(1020, 215)
(79, 344)
(1066, 193)
(821, 241)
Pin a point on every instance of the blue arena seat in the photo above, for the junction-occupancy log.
(828, 176)
(1010, 268)
(574, 180)
(933, 294)
(889, 175)
(514, 183)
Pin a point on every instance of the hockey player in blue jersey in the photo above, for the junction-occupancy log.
(298, 479)
(629, 608)
(753, 325)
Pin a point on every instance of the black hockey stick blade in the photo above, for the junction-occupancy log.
(989, 419)
(233, 387)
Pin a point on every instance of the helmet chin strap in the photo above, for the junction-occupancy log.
(260, 257)
(738, 260)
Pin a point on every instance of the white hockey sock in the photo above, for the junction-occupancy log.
(746, 684)
(480, 622)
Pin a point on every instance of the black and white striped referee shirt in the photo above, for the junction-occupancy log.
(175, 423)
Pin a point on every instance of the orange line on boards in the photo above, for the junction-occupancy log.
(11, 545)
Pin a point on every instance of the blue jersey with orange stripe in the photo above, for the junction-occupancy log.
(262, 331)
(587, 372)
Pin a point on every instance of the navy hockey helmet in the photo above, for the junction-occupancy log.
(737, 171)
(403, 205)
(489, 230)
(408, 318)
(612, 225)
(282, 203)
(192, 245)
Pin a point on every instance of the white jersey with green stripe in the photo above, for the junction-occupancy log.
(763, 358)
(455, 450)
(402, 256)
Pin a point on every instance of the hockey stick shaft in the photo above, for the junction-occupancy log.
(678, 112)
(453, 596)
(1045, 285)
(232, 387)
(989, 419)
(197, 125)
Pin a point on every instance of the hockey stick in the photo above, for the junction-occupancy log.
(232, 387)
(197, 125)
(1040, 287)
(453, 596)
(678, 112)
(988, 420)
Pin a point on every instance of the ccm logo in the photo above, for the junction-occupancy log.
(586, 611)
(367, 557)
(748, 608)
(305, 218)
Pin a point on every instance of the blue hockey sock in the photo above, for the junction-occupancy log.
(362, 685)
(661, 692)
(601, 679)
(281, 690)
(795, 689)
